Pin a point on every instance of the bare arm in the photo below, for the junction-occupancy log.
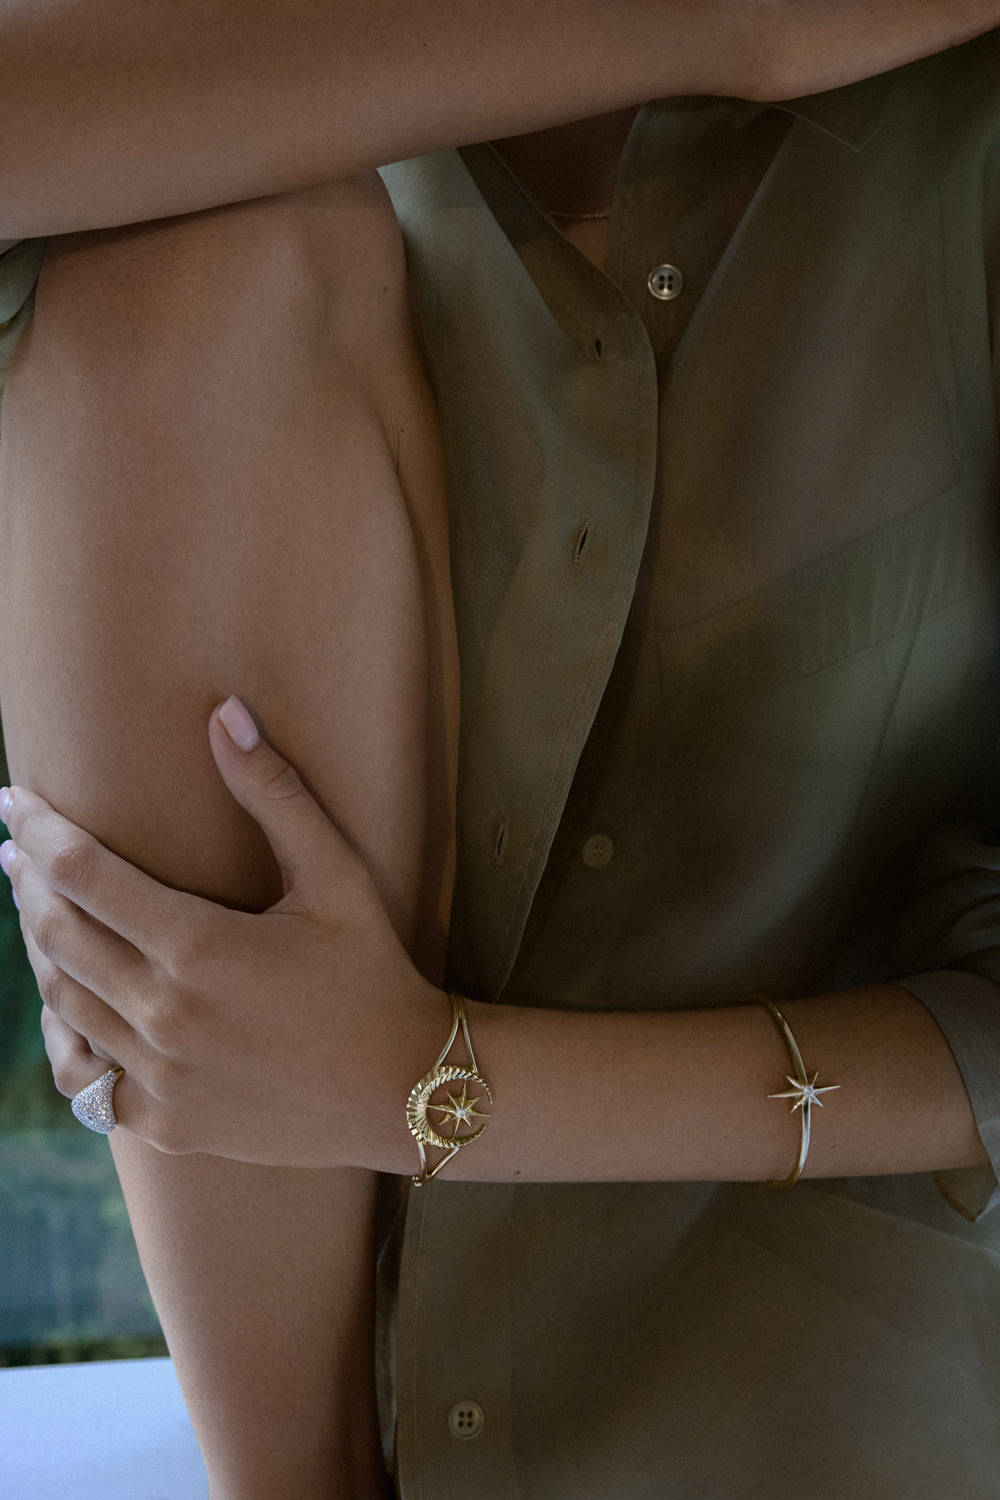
(192, 103)
(218, 469)
(578, 1096)
(676, 1096)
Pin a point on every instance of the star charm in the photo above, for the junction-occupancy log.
(460, 1111)
(804, 1091)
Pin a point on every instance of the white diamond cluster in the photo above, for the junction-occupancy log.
(94, 1106)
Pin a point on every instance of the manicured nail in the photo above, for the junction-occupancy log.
(5, 802)
(238, 724)
(7, 851)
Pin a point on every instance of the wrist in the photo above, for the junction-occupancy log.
(449, 1107)
(372, 1104)
(428, 1038)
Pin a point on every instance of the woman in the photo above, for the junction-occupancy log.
(901, 1104)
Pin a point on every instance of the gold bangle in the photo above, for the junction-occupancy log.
(460, 1109)
(803, 1089)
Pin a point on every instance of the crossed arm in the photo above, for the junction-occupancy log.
(686, 1092)
(227, 103)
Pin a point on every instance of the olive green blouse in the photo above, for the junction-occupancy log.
(724, 524)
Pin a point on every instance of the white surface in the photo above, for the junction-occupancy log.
(115, 1431)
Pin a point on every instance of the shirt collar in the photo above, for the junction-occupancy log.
(851, 114)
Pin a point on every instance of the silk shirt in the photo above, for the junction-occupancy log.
(725, 568)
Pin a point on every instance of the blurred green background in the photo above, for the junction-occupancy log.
(70, 1283)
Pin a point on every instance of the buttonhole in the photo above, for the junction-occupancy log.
(598, 348)
(580, 542)
(500, 842)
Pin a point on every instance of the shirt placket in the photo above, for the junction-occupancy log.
(689, 172)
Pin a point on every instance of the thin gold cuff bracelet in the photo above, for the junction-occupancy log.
(803, 1089)
(459, 1109)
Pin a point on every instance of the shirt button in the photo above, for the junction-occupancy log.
(466, 1419)
(598, 851)
(665, 282)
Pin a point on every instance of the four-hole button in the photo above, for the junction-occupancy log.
(665, 282)
(466, 1418)
(598, 851)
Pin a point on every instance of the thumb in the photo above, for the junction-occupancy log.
(310, 850)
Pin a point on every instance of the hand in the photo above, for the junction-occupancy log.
(289, 1037)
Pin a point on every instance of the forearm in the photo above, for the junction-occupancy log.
(264, 1282)
(653, 1096)
(197, 103)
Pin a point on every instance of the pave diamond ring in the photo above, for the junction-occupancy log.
(94, 1106)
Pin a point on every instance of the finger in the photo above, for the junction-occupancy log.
(73, 1063)
(311, 852)
(75, 864)
(75, 1067)
(104, 1032)
(74, 941)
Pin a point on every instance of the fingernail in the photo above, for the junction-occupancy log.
(14, 895)
(5, 802)
(7, 851)
(238, 724)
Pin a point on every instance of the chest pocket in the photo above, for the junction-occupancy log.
(888, 635)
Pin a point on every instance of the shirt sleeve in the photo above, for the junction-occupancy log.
(950, 935)
(19, 267)
(952, 931)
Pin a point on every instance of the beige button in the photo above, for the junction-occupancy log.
(665, 282)
(466, 1419)
(598, 851)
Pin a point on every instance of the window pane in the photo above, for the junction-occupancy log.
(70, 1283)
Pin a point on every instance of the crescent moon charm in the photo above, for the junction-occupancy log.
(461, 1111)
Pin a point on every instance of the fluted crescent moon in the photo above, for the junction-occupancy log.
(420, 1094)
